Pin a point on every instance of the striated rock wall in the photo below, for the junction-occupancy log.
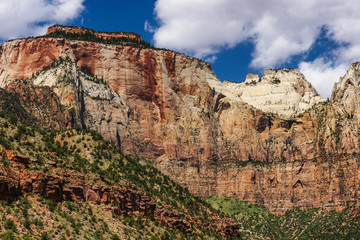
(270, 140)
(279, 186)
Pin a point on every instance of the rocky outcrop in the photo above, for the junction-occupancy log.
(35, 105)
(284, 92)
(63, 187)
(60, 185)
(177, 220)
(90, 102)
(172, 109)
(346, 92)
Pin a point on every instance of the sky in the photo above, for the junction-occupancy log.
(319, 37)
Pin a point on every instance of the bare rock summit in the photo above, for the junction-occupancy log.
(284, 92)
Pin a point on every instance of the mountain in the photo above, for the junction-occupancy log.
(71, 184)
(271, 141)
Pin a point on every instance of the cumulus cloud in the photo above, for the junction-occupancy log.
(199, 27)
(21, 18)
(279, 30)
(211, 59)
(323, 75)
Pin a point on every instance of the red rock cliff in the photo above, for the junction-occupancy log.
(203, 133)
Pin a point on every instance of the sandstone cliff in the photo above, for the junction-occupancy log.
(257, 141)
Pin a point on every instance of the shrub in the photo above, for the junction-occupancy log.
(45, 236)
(4, 160)
(129, 221)
(115, 237)
(10, 225)
(5, 142)
(13, 120)
(8, 235)
(51, 205)
(27, 223)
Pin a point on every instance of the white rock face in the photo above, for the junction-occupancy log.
(65, 76)
(103, 109)
(346, 93)
(284, 92)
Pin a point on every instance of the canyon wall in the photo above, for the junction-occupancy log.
(271, 140)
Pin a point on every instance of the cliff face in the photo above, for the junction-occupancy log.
(159, 88)
(257, 141)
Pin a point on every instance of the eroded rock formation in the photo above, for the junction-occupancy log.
(271, 140)
(284, 92)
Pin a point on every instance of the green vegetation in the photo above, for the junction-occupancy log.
(91, 30)
(29, 217)
(78, 151)
(294, 224)
(12, 108)
(90, 37)
(257, 221)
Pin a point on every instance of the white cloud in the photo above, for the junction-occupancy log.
(198, 27)
(148, 27)
(20, 18)
(211, 59)
(322, 75)
(279, 29)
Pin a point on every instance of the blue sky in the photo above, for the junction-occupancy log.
(237, 36)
